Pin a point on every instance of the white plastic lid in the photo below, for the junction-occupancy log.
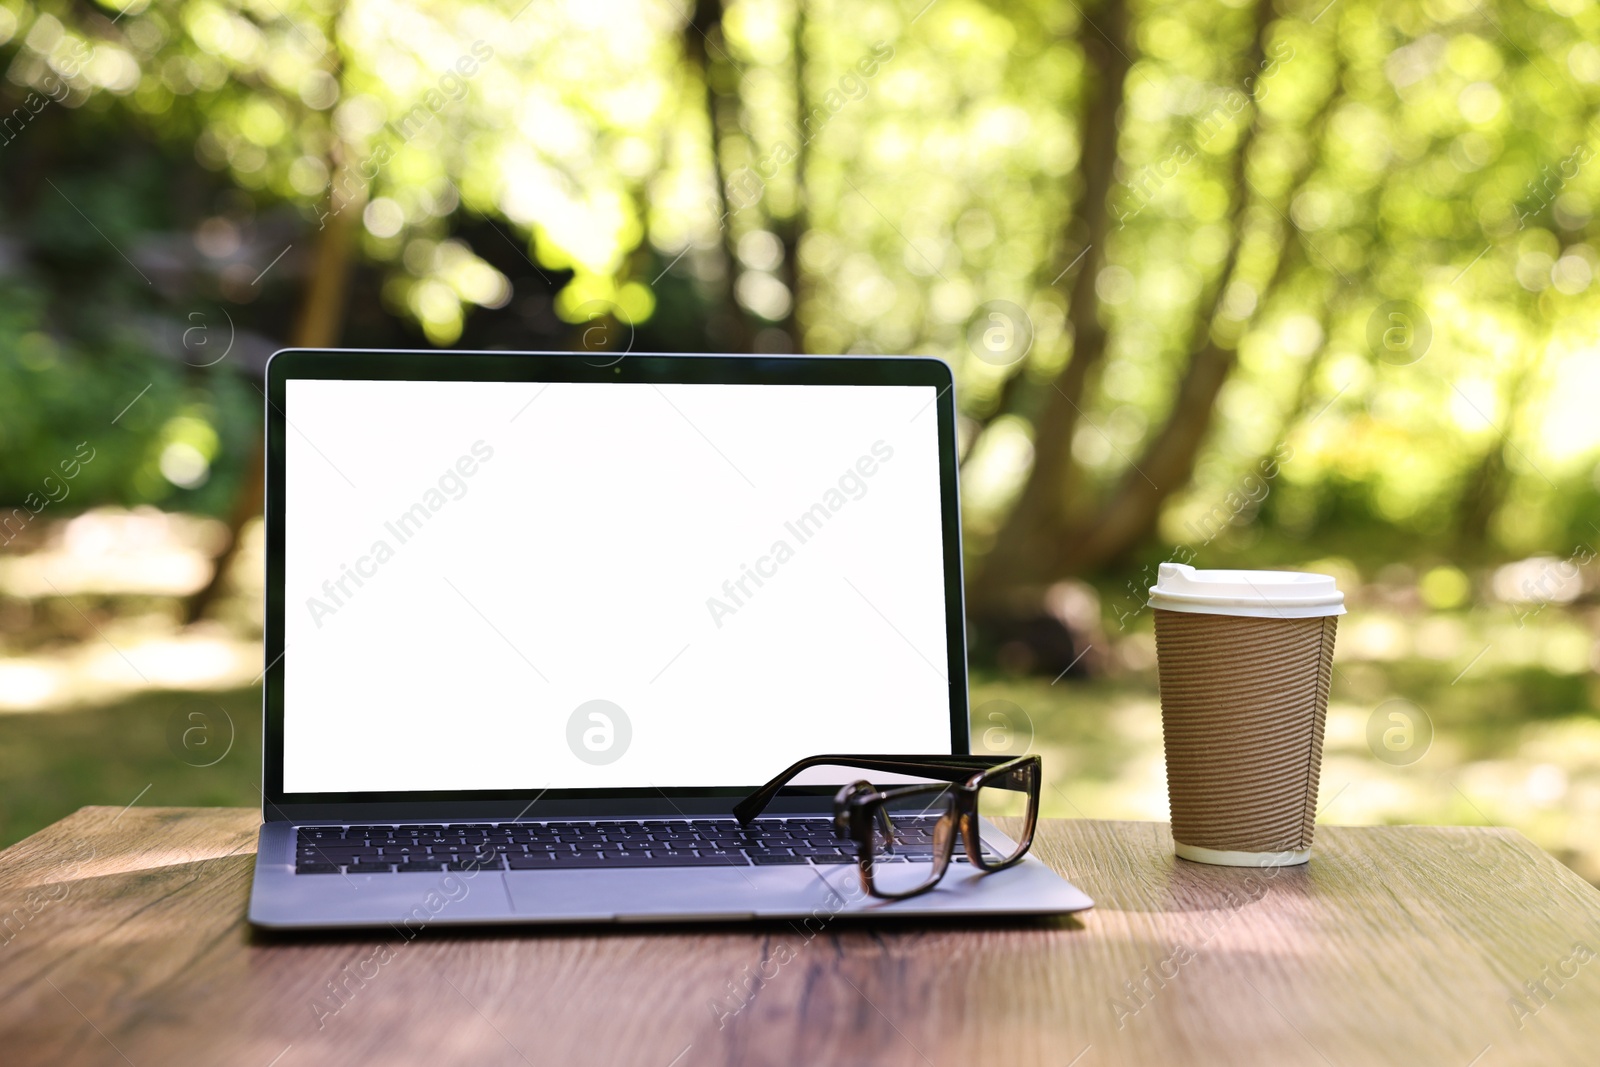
(1258, 594)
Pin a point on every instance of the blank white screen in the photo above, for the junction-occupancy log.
(571, 542)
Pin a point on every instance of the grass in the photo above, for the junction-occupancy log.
(103, 704)
(1515, 737)
(1507, 730)
(52, 763)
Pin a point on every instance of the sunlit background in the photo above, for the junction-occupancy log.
(1235, 283)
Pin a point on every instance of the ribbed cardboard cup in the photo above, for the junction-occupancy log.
(1245, 659)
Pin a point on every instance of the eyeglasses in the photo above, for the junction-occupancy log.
(905, 836)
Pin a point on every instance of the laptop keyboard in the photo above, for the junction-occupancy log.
(544, 846)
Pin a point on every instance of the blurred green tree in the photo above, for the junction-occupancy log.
(1162, 244)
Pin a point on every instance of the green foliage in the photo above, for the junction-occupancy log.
(888, 174)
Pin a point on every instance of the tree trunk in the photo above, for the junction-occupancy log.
(1022, 555)
(320, 320)
(1167, 464)
(703, 47)
(790, 230)
(318, 324)
(1490, 480)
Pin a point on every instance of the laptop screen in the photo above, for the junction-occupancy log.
(579, 585)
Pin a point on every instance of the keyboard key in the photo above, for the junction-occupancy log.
(531, 861)
(580, 860)
(316, 868)
(774, 858)
(689, 859)
(369, 868)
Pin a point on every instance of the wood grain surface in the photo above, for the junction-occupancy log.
(123, 941)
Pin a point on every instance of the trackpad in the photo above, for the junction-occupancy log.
(660, 893)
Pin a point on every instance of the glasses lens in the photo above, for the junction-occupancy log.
(1008, 797)
(911, 840)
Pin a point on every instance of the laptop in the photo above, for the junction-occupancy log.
(537, 621)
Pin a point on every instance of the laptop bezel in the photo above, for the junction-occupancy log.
(656, 368)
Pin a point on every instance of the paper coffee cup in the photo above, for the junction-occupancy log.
(1245, 659)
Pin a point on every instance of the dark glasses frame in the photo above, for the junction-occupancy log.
(862, 811)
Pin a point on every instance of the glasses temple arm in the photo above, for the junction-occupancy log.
(945, 768)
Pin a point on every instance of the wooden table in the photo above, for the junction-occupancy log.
(124, 941)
